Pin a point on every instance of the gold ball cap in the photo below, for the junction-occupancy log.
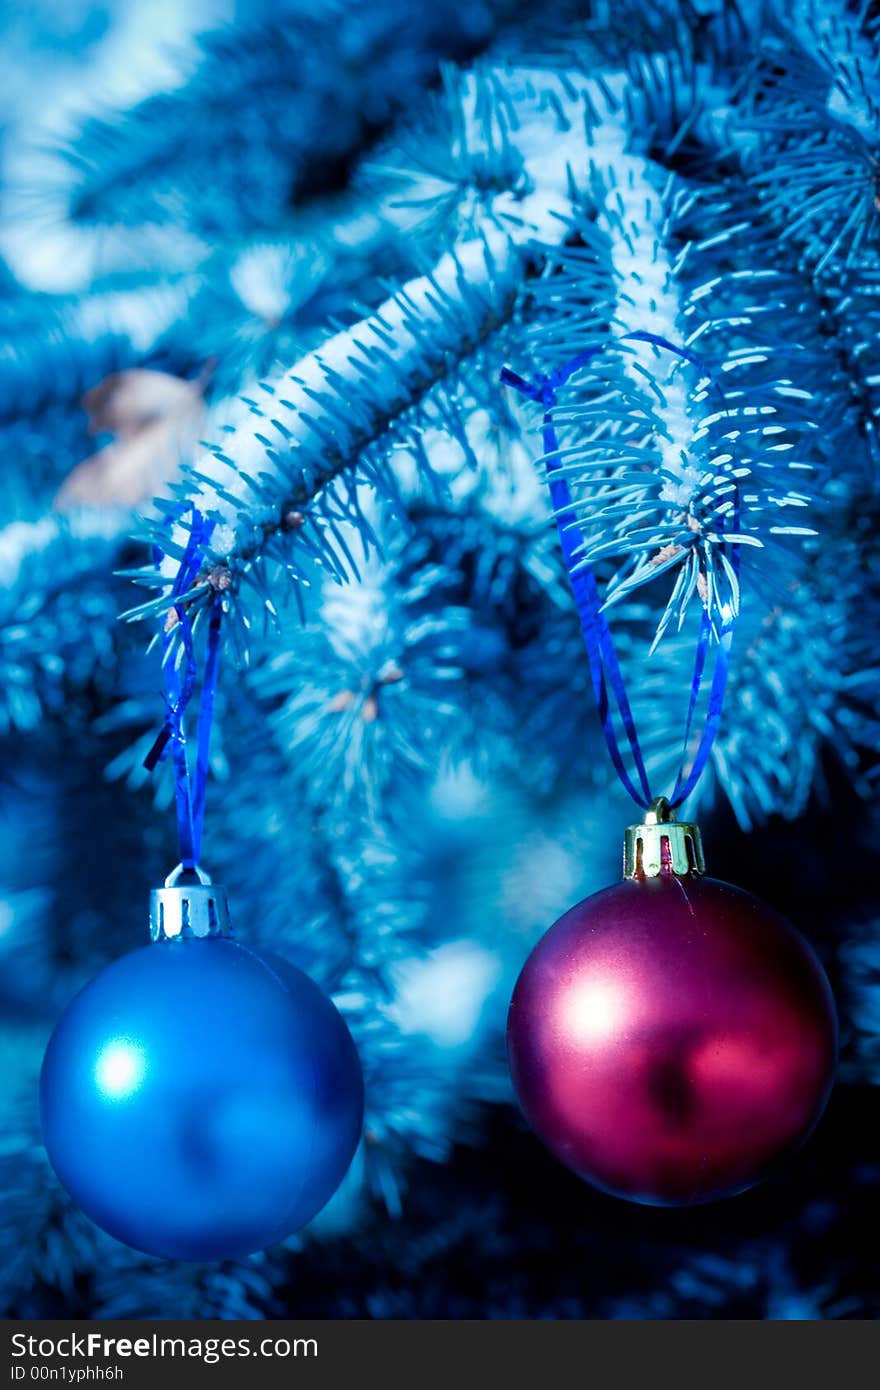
(662, 845)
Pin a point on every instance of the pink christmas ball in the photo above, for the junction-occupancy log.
(671, 1039)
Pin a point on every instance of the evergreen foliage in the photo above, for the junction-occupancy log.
(336, 226)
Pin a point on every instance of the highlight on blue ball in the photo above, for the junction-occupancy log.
(201, 1100)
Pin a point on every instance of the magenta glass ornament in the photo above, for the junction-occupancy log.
(671, 1038)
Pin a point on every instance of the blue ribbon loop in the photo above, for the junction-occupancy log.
(189, 792)
(607, 677)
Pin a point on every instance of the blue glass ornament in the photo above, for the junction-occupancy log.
(200, 1100)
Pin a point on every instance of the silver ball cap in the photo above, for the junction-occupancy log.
(189, 905)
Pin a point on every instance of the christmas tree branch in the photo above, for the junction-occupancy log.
(294, 458)
(313, 108)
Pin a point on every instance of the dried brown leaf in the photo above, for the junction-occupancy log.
(157, 420)
(127, 402)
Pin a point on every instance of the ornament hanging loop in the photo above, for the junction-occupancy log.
(662, 846)
(189, 875)
(190, 789)
(609, 685)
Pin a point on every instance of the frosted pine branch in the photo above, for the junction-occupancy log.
(315, 433)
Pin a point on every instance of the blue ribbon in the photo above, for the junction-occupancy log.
(607, 677)
(189, 793)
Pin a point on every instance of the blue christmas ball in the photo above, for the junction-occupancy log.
(201, 1100)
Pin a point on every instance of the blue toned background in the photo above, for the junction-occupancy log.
(204, 207)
